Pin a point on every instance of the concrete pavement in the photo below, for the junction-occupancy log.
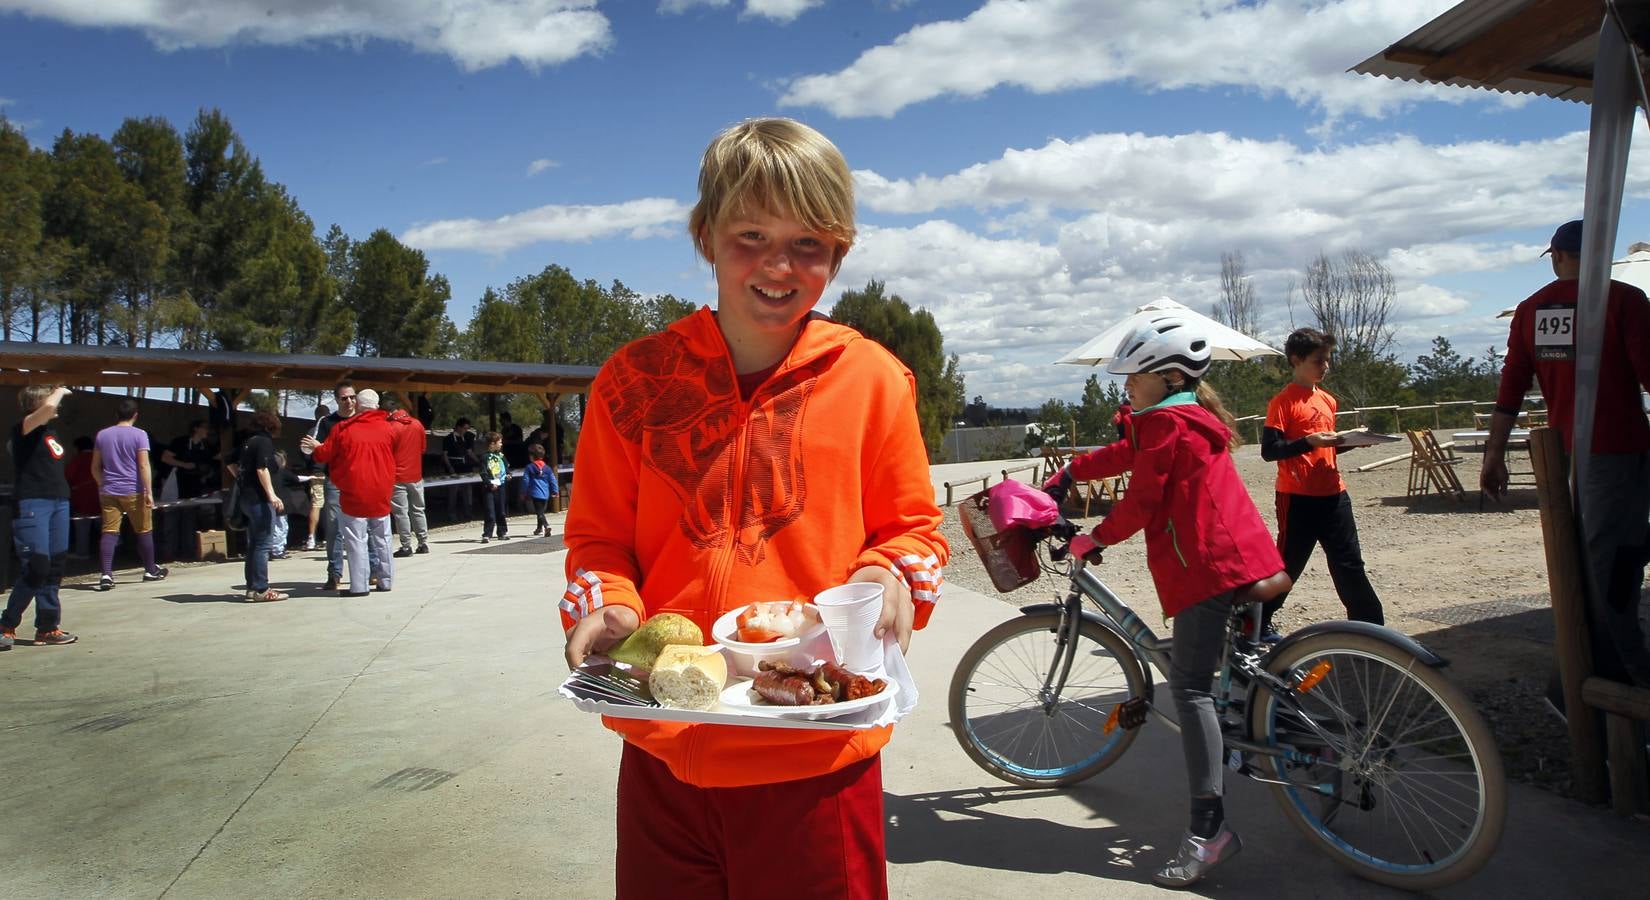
(411, 744)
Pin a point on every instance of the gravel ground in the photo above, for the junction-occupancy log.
(1469, 581)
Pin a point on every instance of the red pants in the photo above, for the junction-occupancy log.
(818, 837)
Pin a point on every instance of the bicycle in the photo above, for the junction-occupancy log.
(1376, 757)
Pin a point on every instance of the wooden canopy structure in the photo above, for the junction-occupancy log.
(226, 376)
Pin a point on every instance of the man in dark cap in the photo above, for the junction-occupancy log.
(1616, 498)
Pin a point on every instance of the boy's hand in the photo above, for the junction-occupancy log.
(598, 631)
(1323, 439)
(897, 609)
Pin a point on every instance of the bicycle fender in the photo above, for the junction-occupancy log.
(1037, 609)
(1380, 632)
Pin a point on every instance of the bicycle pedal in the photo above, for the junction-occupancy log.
(1131, 713)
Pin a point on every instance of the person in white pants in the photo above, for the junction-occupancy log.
(367, 541)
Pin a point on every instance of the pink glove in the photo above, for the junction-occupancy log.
(1085, 547)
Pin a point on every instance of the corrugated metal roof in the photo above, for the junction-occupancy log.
(1565, 74)
(21, 362)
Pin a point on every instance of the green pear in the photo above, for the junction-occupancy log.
(645, 643)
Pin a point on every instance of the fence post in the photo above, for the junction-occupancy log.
(1566, 581)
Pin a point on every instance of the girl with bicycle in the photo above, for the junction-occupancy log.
(1204, 540)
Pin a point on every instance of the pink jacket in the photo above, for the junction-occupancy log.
(1203, 534)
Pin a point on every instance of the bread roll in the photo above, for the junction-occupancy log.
(688, 677)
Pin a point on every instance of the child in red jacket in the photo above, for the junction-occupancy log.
(1204, 539)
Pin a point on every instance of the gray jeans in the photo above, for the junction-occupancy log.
(407, 512)
(1199, 638)
(1614, 504)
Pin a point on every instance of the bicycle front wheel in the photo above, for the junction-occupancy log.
(1017, 729)
(1405, 786)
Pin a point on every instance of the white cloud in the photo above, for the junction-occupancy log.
(1428, 260)
(779, 10)
(677, 7)
(1072, 235)
(1296, 48)
(636, 219)
(539, 165)
(477, 34)
(1134, 200)
(1426, 301)
(434, 161)
(782, 11)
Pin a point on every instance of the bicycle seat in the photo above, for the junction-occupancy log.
(1268, 588)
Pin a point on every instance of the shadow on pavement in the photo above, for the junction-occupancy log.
(236, 594)
(976, 827)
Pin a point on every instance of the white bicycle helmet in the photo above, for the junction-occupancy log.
(1163, 342)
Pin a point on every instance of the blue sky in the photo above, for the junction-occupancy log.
(1029, 171)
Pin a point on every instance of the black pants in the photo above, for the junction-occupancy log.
(539, 509)
(492, 510)
(1305, 522)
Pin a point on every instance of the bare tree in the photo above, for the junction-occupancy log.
(1236, 306)
(1351, 298)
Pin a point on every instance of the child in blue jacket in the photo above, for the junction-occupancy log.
(538, 485)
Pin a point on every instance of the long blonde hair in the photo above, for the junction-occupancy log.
(1209, 399)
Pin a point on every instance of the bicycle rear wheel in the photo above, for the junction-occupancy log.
(1416, 795)
(1011, 727)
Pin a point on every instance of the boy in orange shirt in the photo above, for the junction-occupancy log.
(1313, 506)
(759, 451)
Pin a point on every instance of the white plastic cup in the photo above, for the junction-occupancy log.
(850, 614)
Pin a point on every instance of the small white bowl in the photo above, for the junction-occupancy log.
(799, 650)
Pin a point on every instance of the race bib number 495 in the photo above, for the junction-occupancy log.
(1555, 335)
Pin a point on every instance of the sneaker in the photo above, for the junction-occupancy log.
(503, 537)
(538, 530)
(403, 553)
(1270, 637)
(268, 596)
(422, 548)
(6, 640)
(1197, 856)
(332, 583)
(106, 583)
(309, 545)
(159, 574)
(55, 636)
(485, 539)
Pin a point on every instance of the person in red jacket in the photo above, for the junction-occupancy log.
(1204, 539)
(760, 450)
(407, 503)
(359, 454)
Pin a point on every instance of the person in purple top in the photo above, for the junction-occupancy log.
(120, 463)
(40, 531)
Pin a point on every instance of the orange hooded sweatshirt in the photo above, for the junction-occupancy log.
(693, 501)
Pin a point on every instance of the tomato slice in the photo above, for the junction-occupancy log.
(757, 635)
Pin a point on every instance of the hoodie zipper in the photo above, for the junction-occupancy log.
(723, 564)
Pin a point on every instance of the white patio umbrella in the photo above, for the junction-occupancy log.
(1227, 343)
(1633, 269)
